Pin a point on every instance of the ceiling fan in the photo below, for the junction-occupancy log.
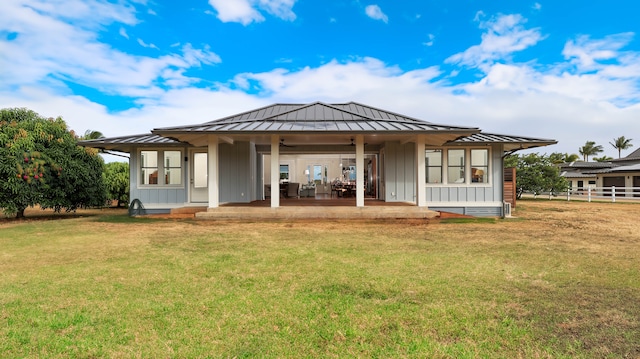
(353, 143)
(282, 144)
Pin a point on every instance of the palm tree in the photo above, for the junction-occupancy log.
(589, 149)
(620, 144)
(92, 135)
(568, 158)
(604, 158)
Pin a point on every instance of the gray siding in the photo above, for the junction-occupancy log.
(399, 172)
(236, 172)
(472, 193)
(471, 211)
(156, 194)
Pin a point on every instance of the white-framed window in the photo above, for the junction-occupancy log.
(284, 172)
(454, 166)
(433, 166)
(172, 167)
(160, 167)
(479, 165)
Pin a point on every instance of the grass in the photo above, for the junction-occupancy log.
(561, 281)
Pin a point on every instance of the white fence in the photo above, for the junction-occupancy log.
(612, 194)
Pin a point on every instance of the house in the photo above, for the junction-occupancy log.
(373, 154)
(620, 173)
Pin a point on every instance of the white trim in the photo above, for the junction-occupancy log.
(467, 167)
(160, 160)
(214, 172)
(275, 171)
(359, 171)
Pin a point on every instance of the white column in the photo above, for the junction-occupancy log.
(359, 171)
(421, 191)
(212, 175)
(275, 171)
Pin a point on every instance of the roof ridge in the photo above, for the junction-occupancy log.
(250, 111)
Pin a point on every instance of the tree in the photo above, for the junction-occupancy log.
(116, 178)
(41, 164)
(620, 144)
(590, 149)
(568, 158)
(602, 159)
(536, 174)
(91, 135)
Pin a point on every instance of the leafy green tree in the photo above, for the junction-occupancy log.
(116, 178)
(41, 164)
(621, 143)
(536, 174)
(590, 149)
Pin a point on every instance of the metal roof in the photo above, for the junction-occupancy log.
(587, 165)
(329, 124)
(571, 174)
(510, 142)
(316, 117)
(629, 168)
(124, 143)
(633, 156)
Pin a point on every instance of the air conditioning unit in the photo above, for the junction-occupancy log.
(506, 209)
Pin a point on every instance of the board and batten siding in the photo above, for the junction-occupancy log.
(237, 166)
(156, 196)
(471, 199)
(400, 172)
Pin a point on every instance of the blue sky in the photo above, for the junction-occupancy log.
(567, 70)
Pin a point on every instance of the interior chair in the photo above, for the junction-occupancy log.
(335, 187)
(293, 190)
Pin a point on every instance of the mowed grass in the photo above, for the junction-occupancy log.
(561, 280)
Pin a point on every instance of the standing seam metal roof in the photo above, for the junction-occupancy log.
(315, 117)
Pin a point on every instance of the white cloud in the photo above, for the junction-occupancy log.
(374, 12)
(248, 11)
(53, 47)
(123, 33)
(594, 94)
(144, 44)
(429, 42)
(537, 6)
(585, 52)
(504, 35)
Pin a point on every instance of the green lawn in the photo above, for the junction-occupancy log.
(544, 285)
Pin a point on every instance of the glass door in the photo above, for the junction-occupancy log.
(199, 177)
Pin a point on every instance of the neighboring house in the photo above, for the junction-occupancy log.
(621, 172)
(387, 156)
(582, 175)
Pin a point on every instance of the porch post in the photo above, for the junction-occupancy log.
(275, 171)
(212, 175)
(421, 191)
(359, 171)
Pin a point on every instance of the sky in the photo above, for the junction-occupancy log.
(565, 70)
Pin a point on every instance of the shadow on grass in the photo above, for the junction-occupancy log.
(125, 218)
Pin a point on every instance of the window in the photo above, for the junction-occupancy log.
(149, 167)
(433, 165)
(166, 163)
(455, 166)
(317, 174)
(284, 172)
(479, 165)
(172, 167)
